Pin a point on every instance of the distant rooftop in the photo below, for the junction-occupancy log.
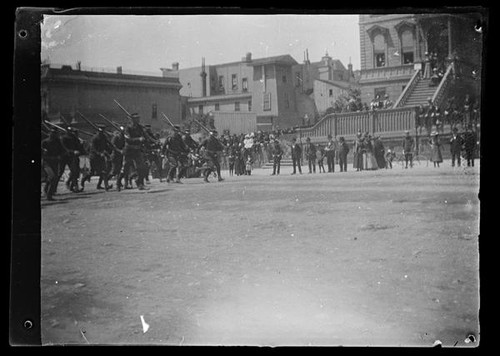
(109, 70)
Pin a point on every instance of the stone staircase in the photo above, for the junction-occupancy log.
(420, 93)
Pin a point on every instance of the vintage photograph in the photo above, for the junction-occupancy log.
(261, 179)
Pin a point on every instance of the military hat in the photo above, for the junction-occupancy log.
(134, 115)
(177, 128)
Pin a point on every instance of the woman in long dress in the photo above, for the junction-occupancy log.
(371, 162)
(436, 156)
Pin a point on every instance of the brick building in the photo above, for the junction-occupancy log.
(66, 91)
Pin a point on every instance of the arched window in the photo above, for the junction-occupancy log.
(407, 47)
(379, 50)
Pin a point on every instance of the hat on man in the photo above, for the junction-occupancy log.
(177, 128)
(134, 116)
(308, 139)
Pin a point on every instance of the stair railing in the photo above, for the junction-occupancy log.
(439, 94)
(408, 89)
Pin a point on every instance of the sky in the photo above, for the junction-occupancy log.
(148, 43)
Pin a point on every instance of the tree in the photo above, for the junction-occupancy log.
(348, 101)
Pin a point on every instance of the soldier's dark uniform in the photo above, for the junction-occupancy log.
(212, 148)
(343, 151)
(176, 152)
(118, 141)
(74, 148)
(132, 151)
(52, 152)
(100, 162)
(277, 153)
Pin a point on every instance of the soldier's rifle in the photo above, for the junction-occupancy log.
(203, 126)
(112, 123)
(69, 125)
(146, 135)
(99, 129)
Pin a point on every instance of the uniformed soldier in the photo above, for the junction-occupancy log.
(176, 152)
(213, 148)
(52, 153)
(132, 151)
(100, 159)
(74, 148)
(118, 142)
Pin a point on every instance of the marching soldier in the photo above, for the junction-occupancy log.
(118, 142)
(52, 152)
(100, 160)
(277, 153)
(176, 152)
(132, 151)
(74, 148)
(212, 147)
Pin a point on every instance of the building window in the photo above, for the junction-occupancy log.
(234, 82)
(200, 109)
(154, 111)
(407, 47)
(330, 92)
(237, 106)
(244, 84)
(379, 50)
(249, 105)
(283, 78)
(380, 93)
(217, 107)
(267, 102)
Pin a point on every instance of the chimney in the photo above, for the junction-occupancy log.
(119, 70)
(203, 75)
(248, 57)
(79, 65)
(175, 66)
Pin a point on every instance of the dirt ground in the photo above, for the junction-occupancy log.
(382, 258)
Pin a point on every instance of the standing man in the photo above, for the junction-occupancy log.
(456, 142)
(470, 143)
(176, 152)
(212, 147)
(310, 152)
(296, 156)
(132, 151)
(52, 152)
(74, 148)
(330, 149)
(277, 153)
(408, 145)
(343, 151)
